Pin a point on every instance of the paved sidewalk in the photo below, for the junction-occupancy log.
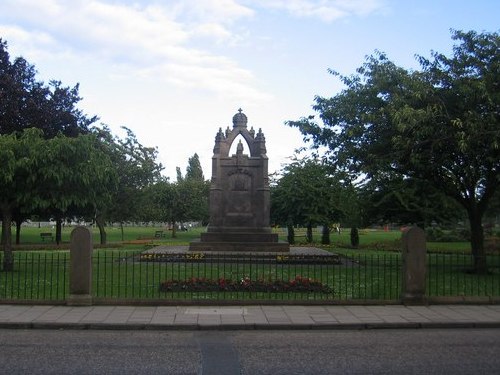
(248, 317)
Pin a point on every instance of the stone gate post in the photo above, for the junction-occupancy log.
(414, 253)
(80, 270)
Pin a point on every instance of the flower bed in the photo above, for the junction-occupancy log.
(195, 284)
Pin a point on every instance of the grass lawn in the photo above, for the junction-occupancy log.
(370, 240)
(31, 236)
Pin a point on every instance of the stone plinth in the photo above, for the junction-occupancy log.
(242, 246)
(414, 254)
(239, 194)
(80, 271)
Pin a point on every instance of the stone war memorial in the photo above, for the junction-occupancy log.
(239, 194)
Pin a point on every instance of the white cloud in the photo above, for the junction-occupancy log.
(325, 10)
(219, 11)
(145, 39)
(157, 39)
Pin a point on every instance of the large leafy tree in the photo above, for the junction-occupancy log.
(20, 158)
(137, 168)
(440, 125)
(53, 175)
(167, 202)
(308, 194)
(396, 199)
(78, 175)
(29, 103)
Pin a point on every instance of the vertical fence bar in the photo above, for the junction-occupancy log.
(65, 274)
(96, 261)
(51, 274)
(23, 265)
(44, 288)
(56, 272)
(32, 278)
(38, 277)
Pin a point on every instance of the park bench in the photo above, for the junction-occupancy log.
(47, 236)
(302, 234)
(159, 234)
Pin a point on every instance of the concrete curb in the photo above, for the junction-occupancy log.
(246, 327)
(225, 318)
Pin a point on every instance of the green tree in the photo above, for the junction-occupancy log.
(22, 161)
(18, 157)
(194, 170)
(169, 202)
(29, 103)
(137, 168)
(199, 189)
(77, 175)
(439, 125)
(52, 175)
(195, 189)
(395, 199)
(306, 194)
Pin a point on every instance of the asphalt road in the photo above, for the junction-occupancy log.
(422, 351)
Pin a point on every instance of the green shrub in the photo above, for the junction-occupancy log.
(436, 234)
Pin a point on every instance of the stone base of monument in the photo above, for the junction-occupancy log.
(281, 247)
(79, 300)
(235, 241)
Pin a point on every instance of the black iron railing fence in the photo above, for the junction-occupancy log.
(37, 276)
(346, 277)
(453, 275)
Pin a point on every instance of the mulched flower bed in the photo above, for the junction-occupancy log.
(298, 284)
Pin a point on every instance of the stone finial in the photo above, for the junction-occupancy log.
(240, 119)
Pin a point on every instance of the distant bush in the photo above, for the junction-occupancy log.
(436, 234)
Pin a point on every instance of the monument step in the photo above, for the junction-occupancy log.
(238, 246)
(239, 237)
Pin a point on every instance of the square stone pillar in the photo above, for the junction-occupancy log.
(80, 270)
(414, 255)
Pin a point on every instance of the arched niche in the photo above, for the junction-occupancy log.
(246, 147)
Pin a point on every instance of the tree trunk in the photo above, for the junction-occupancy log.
(174, 230)
(325, 235)
(309, 233)
(58, 229)
(102, 232)
(123, 233)
(8, 257)
(477, 240)
(291, 234)
(18, 231)
(354, 237)
(2, 237)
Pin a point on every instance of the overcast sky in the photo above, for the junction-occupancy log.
(174, 71)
